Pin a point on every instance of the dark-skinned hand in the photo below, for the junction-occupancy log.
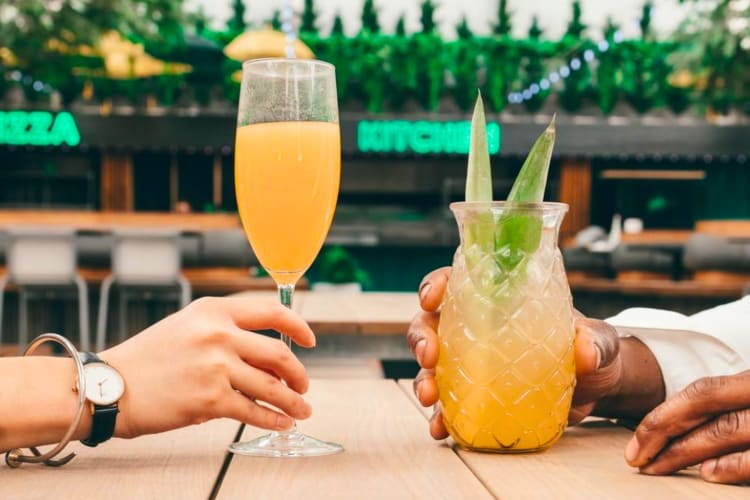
(708, 423)
(597, 355)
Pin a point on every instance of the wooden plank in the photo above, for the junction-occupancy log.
(656, 288)
(657, 237)
(108, 221)
(366, 313)
(587, 462)
(182, 464)
(575, 190)
(633, 174)
(407, 386)
(728, 228)
(388, 453)
(117, 182)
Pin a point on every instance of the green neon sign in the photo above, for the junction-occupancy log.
(421, 137)
(38, 128)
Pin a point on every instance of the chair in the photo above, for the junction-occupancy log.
(141, 259)
(42, 257)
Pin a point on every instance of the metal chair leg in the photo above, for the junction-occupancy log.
(185, 291)
(23, 320)
(83, 313)
(101, 320)
(3, 284)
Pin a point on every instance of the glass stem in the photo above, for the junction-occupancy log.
(286, 293)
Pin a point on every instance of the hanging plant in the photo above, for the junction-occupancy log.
(577, 82)
(430, 65)
(465, 56)
(533, 53)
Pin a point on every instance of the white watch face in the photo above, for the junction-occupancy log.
(104, 385)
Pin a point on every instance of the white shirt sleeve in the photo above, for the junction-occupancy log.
(713, 342)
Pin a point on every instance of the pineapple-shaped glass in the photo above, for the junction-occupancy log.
(506, 368)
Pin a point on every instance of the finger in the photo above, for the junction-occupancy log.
(437, 425)
(259, 385)
(725, 434)
(596, 346)
(728, 469)
(697, 403)
(432, 288)
(262, 314)
(578, 413)
(423, 339)
(239, 407)
(425, 387)
(273, 356)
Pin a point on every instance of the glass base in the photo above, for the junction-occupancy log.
(285, 445)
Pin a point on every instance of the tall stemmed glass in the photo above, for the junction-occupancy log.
(287, 170)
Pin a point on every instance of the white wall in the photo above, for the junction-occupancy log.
(553, 14)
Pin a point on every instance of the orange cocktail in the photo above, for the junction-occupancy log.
(287, 182)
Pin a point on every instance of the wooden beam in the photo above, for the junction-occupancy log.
(117, 182)
(217, 181)
(575, 190)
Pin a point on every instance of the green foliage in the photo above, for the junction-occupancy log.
(336, 265)
(712, 53)
(236, 23)
(337, 29)
(534, 51)
(309, 18)
(402, 76)
(705, 65)
(428, 54)
(400, 30)
(427, 16)
(576, 87)
(465, 54)
(609, 72)
(504, 25)
(370, 20)
(576, 26)
(275, 21)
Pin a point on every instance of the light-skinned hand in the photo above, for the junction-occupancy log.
(205, 362)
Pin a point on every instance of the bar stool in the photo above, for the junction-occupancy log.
(141, 259)
(42, 257)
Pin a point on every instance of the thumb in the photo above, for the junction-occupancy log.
(596, 346)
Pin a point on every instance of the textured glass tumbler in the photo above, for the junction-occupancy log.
(506, 368)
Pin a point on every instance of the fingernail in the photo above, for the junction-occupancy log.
(598, 353)
(283, 422)
(709, 467)
(419, 350)
(631, 450)
(424, 290)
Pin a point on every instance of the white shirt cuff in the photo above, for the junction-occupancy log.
(684, 355)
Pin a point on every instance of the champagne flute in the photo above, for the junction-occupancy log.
(287, 172)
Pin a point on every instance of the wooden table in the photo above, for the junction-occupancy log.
(388, 455)
(366, 313)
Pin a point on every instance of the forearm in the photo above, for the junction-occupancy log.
(38, 401)
(641, 386)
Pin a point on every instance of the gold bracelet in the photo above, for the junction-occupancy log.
(14, 458)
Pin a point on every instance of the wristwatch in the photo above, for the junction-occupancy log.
(104, 388)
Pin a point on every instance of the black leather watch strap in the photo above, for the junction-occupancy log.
(104, 418)
(103, 424)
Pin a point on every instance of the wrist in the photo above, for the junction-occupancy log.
(48, 400)
(123, 428)
(639, 387)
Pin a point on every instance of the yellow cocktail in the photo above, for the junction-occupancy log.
(506, 368)
(287, 182)
(287, 168)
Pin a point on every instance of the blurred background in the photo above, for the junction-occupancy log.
(120, 114)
